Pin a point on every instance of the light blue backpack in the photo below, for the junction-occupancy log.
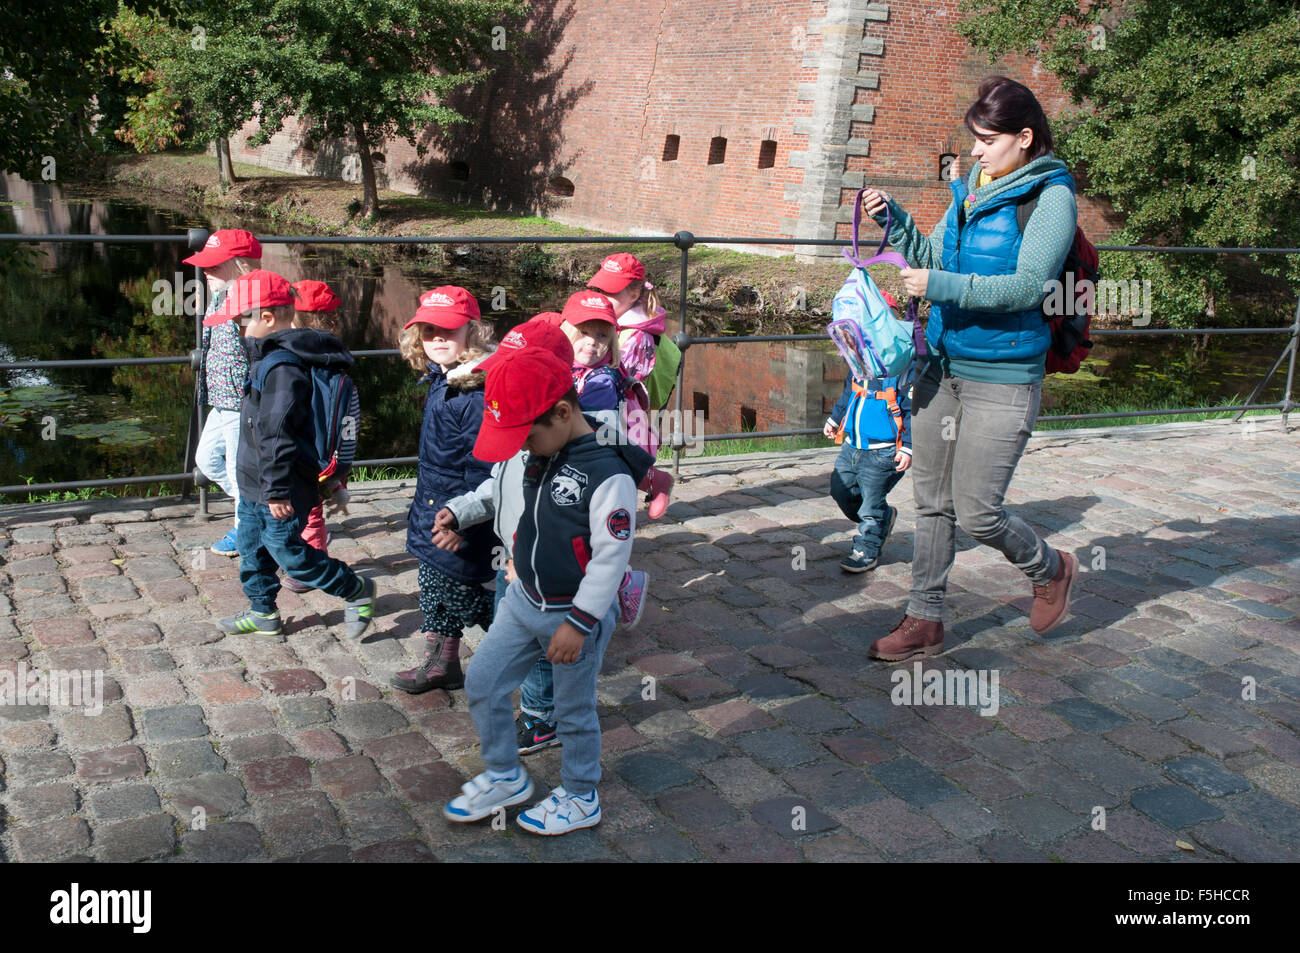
(873, 342)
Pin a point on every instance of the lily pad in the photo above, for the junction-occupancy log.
(126, 433)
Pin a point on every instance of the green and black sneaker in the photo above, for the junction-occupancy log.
(358, 610)
(249, 622)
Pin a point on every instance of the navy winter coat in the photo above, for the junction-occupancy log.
(277, 432)
(453, 411)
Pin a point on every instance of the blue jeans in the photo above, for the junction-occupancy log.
(537, 693)
(266, 543)
(873, 474)
(218, 447)
(520, 634)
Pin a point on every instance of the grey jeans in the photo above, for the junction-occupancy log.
(967, 438)
(519, 636)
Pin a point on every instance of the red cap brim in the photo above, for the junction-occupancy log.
(611, 282)
(208, 257)
(446, 320)
(496, 442)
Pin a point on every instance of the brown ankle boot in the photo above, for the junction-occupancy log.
(910, 637)
(440, 668)
(1052, 599)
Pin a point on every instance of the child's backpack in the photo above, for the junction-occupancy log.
(873, 342)
(659, 383)
(335, 408)
(1070, 341)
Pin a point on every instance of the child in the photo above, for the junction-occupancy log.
(314, 308)
(875, 423)
(640, 320)
(448, 340)
(229, 253)
(588, 320)
(278, 466)
(575, 536)
(501, 499)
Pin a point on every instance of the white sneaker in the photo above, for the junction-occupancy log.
(561, 813)
(481, 796)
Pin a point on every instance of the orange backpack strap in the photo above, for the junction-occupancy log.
(890, 396)
(859, 390)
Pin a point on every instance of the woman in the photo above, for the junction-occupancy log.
(975, 404)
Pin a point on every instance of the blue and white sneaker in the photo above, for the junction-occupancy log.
(226, 545)
(560, 813)
(481, 796)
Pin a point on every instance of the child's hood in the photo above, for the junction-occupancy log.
(636, 319)
(467, 376)
(314, 347)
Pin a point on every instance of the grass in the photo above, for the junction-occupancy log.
(1152, 418)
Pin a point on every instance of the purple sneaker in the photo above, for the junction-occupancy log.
(631, 597)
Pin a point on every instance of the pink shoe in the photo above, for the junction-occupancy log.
(661, 485)
(631, 597)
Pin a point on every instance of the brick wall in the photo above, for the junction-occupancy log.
(849, 91)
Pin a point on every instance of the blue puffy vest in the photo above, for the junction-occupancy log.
(988, 243)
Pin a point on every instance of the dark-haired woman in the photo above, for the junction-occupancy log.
(975, 404)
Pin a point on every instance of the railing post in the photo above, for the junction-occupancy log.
(683, 240)
(198, 238)
(1290, 370)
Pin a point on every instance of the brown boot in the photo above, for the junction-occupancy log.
(440, 668)
(1052, 599)
(910, 637)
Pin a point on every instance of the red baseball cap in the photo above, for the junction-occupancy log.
(448, 307)
(588, 306)
(255, 289)
(535, 332)
(223, 245)
(617, 272)
(522, 385)
(550, 317)
(315, 296)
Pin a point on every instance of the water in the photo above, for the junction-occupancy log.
(61, 302)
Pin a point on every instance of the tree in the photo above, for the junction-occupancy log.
(364, 70)
(1188, 122)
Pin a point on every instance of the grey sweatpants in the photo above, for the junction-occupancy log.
(967, 437)
(519, 636)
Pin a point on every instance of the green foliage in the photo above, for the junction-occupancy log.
(1189, 123)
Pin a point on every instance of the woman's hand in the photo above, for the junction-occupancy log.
(915, 281)
(873, 202)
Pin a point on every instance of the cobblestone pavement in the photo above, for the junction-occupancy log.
(742, 719)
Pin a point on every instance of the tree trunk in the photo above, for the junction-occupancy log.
(370, 191)
(225, 166)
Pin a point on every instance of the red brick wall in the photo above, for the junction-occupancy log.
(611, 81)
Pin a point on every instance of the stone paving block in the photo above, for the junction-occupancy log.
(1086, 715)
(52, 633)
(399, 750)
(914, 782)
(240, 719)
(313, 710)
(1262, 811)
(1038, 820)
(143, 661)
(220, 795)
(364, 721)
(225, 843)
(1175, 807)
(144, 838)
(814, 715)
(175, 723)
(734, 717)
(320, 744)
(83, 731)
(891, 827)
(377, 820)
(1217, 741)
(349, 777)
(42, 802)
(746, 842)
(294, 823)
(248, 748)
(792, 817)
(155, 690)
(111, 764)
(277, 775)
(1146, 743)
(185, 759)
(295, 681)
(191, 633)
(225, 688)
(690, 747)
(124, 801)
(33, 767)
(653, 773)
(964, 817)
(656, 847)
(777, 748)
(52, 840)
(984, 781)
(434, 782)
(1245, 845)
(697, 809)
(1008, 848)
(1208, 777)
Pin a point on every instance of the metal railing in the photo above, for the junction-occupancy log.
(684, 241)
